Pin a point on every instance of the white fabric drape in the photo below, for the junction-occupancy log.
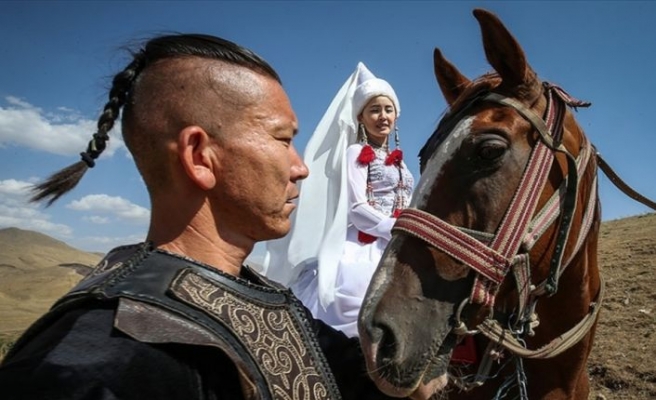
(322, 203)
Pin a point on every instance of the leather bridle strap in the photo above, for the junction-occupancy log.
(551, 131)
(552, 138)
(504, 337)
(461, 246)
(620, 184)
(493, 262)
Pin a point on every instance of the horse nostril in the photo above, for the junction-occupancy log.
(386, 343)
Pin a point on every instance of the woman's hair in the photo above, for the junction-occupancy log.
(120, 93)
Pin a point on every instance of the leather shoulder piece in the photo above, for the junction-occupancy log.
(113, 267)
(254, 276)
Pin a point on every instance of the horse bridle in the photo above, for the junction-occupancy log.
(492, 256)
(493, 260)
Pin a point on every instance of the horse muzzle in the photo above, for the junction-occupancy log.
(417, 380)
(404, 358)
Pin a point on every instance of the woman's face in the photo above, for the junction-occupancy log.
(378, 117)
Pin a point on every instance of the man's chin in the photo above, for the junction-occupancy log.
(276, 231)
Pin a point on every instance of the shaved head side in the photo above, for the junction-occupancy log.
(176, 93)
(172, 82)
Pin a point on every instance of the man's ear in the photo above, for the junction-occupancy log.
(196, 156)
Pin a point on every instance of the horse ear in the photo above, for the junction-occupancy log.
(505, 54)
(451, 81)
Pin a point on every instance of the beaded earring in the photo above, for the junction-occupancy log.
(362, 133)
(367, 154)
(396, 156)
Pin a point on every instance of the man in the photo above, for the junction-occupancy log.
(178, 317)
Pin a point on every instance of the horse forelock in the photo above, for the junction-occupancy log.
(484, 83)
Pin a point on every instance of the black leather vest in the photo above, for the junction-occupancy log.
(260, 325)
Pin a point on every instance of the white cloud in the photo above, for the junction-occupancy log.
(96, 219)
(16, 211)
(115, 241)
(105, 243)
(113, 205)
(12, 187)
(15, 101)
(63, 132)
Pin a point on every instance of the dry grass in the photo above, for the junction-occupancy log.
(35, 270)
(622, 364)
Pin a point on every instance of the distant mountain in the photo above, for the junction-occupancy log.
(35, 270)
(27, 250)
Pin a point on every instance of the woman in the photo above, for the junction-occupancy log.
(347, 206)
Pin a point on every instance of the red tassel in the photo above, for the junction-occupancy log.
(366, 238)
(366, 155)
(394, 158)
(396, 213)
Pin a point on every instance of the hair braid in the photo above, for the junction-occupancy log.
(64, 180)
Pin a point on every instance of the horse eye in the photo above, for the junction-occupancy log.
(491, 149)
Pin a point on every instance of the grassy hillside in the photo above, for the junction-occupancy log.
(35, 270)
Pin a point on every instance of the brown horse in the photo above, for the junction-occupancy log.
(498, 251)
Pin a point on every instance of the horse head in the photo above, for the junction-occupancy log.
(506, 201)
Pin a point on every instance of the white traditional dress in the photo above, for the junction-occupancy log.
(322, 258)
(359, 260)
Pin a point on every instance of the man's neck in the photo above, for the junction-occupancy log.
(201, 240)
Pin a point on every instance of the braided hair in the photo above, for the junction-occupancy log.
(156, 49)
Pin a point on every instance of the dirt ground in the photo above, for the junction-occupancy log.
(623, 360)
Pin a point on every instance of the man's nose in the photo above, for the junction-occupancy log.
(299, 169)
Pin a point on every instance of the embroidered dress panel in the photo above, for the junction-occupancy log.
(384, 180)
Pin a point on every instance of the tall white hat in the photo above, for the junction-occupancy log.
(369, 87)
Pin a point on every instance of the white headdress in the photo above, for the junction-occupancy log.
(320, 220)
(369, 87)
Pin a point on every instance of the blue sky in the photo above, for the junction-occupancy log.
(57, 58)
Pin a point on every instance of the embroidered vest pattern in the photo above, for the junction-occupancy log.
(267, 331)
